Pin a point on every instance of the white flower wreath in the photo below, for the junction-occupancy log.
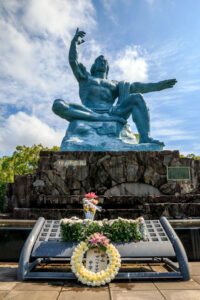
(92, 278)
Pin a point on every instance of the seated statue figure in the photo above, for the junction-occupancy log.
(98, 95)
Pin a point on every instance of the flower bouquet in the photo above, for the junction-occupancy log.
(97, 240)
(90, 205)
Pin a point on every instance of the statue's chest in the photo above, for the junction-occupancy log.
(96, 88)
(104, 83)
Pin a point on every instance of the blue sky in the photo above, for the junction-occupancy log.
(144, 40)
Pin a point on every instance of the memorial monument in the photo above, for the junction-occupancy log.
(99, 125)
(99, 154)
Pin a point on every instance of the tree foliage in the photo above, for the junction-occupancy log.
(23, 161)
(191, 155)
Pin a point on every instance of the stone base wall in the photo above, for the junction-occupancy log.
(176, 207)
(56, 188)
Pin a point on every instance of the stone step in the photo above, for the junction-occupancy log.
(155, 210)
(75, 201)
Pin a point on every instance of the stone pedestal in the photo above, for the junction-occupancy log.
(129, 184)
(103, 136)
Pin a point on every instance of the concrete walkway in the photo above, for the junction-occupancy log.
(10, 288)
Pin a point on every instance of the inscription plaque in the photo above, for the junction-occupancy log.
(96, 260)
(178, 173)
(59, 164)
(70, 162)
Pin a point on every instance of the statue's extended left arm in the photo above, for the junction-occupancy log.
(137, 87)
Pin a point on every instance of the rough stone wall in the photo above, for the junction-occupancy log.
(137, 175)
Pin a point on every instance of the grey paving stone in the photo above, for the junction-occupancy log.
(194, 268)
(136, 295)
(85, 293)
(7, 286)
(196, 278)
(3, 294)
(177, 285)
(126, 286)
(181, 295)
(39, 286)
(32, 295)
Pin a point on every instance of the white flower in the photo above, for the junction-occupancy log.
(64, 221)
(107, 279)
(74, 218)
(112, 276)
(98, 283)
(84, 281)
(105, 221)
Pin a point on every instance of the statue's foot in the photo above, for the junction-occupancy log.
(145, 140)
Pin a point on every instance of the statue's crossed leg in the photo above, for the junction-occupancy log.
(73, 111)
(133, 105)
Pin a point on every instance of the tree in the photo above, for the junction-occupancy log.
(23, 161)
(191, 155)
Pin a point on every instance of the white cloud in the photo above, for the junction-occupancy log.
(170, 130)
(33, 35)
(108, 7)
(130, 64)
(189, 86)
(22, 129)
(44, 17)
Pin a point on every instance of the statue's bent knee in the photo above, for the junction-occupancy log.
(138, 99)
(58, 106)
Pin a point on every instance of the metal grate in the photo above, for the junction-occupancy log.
(155, 231)
(50, 231)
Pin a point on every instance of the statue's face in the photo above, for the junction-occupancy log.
(101, 64)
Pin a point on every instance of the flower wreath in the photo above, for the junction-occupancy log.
(92, 278)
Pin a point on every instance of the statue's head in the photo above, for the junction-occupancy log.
(100, 65)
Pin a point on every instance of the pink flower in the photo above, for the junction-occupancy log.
(94, 241)
(91, 196)
(98, 239)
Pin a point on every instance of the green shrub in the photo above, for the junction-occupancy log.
(119, 230)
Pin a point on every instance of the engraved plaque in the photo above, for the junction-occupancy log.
(69, 162)
(178, 173)
(96, 260)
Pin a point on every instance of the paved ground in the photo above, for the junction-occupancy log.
(10, 288)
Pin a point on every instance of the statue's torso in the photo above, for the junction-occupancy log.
(97, 93)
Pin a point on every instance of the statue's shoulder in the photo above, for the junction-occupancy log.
(84, 74)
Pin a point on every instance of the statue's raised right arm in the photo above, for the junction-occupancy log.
(78, 69)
